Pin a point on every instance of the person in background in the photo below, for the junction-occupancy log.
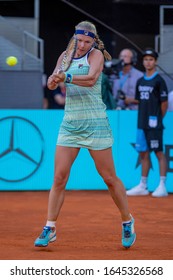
(170, 101)
(152, 96)
(85, 125)
(107, 95)
(125, 84)
(45, 97)
(58, 97)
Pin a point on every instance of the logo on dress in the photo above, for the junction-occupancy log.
(80, 66)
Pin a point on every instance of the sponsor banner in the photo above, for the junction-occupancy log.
(27, 150)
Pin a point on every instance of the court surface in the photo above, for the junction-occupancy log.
(89, 227)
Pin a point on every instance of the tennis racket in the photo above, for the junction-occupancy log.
(69, 55)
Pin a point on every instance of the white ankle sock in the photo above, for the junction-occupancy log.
(51, 224)
(162, 179)
(143, 180)
(127, 222)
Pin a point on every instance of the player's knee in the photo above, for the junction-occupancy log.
(109, 180)
(60, 180)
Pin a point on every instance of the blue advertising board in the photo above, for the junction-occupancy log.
(27, 150)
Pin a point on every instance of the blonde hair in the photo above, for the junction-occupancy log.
(89, 26)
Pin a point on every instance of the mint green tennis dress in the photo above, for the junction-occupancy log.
(85, 123)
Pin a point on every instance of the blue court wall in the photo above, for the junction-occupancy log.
(27, 149)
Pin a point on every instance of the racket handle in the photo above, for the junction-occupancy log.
(59, 71)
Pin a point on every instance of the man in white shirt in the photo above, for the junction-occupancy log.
(170, 101)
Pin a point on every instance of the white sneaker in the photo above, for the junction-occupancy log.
(140, 189)
(160, 191)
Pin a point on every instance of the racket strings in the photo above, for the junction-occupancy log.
(69, 54)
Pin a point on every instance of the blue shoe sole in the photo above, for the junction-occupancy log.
(41, 245)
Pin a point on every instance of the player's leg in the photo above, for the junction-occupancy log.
(64, 159)
(105, 166)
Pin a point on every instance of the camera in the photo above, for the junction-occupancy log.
(113, 67)
(121, 95)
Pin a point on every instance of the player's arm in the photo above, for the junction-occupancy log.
(52, 82)
(96, 61)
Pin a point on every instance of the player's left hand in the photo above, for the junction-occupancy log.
(55, 79)
(58, 77)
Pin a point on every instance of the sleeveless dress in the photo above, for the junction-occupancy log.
(85, 123)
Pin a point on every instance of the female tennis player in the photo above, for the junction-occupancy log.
(85, 125)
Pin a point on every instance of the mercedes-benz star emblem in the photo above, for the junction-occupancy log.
(21, 149)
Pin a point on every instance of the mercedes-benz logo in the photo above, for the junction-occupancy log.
(21, 149)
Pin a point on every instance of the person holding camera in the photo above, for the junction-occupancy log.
(124, 84)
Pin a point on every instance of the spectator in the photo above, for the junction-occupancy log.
(152, 95)
(170, 101)
(45, 98)
(58, 97)
(107, 95)
(124, 85)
